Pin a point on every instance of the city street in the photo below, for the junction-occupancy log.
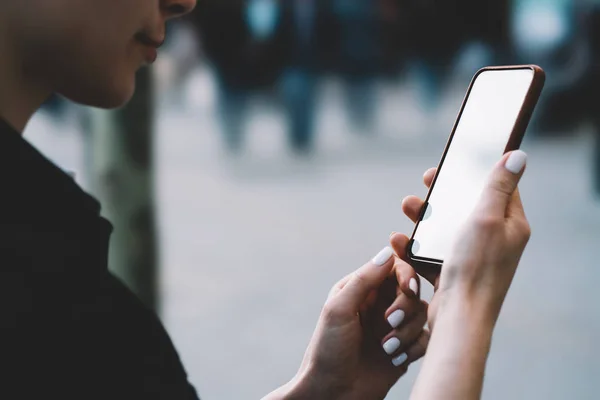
(251, 246)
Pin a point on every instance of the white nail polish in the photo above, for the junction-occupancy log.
(401, 359)
(396, 318)
(383, 256)
(516, 161)
(391, 345)
(413, 285)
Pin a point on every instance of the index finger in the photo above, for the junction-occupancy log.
(348, 300)
(399, 243)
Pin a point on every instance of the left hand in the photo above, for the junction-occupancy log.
(354, 352)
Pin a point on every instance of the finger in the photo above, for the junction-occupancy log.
(415, 351)
(400, 339)
(367, 278)
(399, 243)
(501, 184)
(408, 280)
(403, 309)
(428, 177)
(412, 207)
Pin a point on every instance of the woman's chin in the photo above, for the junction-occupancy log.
(106, 97)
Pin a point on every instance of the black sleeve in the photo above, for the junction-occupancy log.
(82, 336)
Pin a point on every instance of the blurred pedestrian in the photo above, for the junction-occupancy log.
(299, 81)
(242, 40)
(360, 56)
(441, 29)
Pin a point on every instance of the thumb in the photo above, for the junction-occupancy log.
(362, 282)
(502, 184)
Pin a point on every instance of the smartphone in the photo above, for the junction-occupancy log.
(492, 121)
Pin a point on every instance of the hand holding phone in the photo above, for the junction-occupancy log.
(491, 122)
(473, 282)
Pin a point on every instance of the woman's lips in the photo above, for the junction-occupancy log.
(150, 46)
(150, 54)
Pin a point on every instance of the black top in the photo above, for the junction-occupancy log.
(69, 329)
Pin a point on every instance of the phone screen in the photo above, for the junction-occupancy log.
(480, 138)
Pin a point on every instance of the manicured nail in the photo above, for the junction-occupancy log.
(413, 285)
(383, 256)
(391, 345)
(392, 234)
(401, 359)
(396, 318)
(516, 161)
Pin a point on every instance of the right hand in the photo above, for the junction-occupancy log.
(487, 251)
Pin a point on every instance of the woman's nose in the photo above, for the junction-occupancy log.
(177, 8)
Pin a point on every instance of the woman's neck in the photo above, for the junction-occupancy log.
(21, 94)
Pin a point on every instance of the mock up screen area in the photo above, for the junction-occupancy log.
(481, 136)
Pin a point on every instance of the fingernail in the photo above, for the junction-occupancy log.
(391, 345)
(396, 318)
(392, 234)
(413, 285)
(383, 256)
(516, 161)
(401, 359)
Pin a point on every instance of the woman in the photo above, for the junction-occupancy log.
(70, 330)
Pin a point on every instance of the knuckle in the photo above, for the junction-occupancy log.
(488, 222)
(523, 229)
(526, 231)
(339, 285)
(331, 312)
(359, 278)
(503, 185)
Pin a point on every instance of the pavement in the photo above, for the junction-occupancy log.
(252, 245)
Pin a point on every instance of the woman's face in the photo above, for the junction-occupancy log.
(89, 50)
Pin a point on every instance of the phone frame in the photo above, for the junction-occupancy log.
(514, 142)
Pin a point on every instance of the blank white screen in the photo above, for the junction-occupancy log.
(479, 141)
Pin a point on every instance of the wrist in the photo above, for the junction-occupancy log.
(470, 308)
(460, 342)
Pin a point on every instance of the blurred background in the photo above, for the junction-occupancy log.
(280, 137)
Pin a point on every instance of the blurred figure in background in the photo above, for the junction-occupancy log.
(299, 82)
(394, 39)
(243, 41)
(359, 56)
(442, 30)
(257, 47)
(437, 30)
